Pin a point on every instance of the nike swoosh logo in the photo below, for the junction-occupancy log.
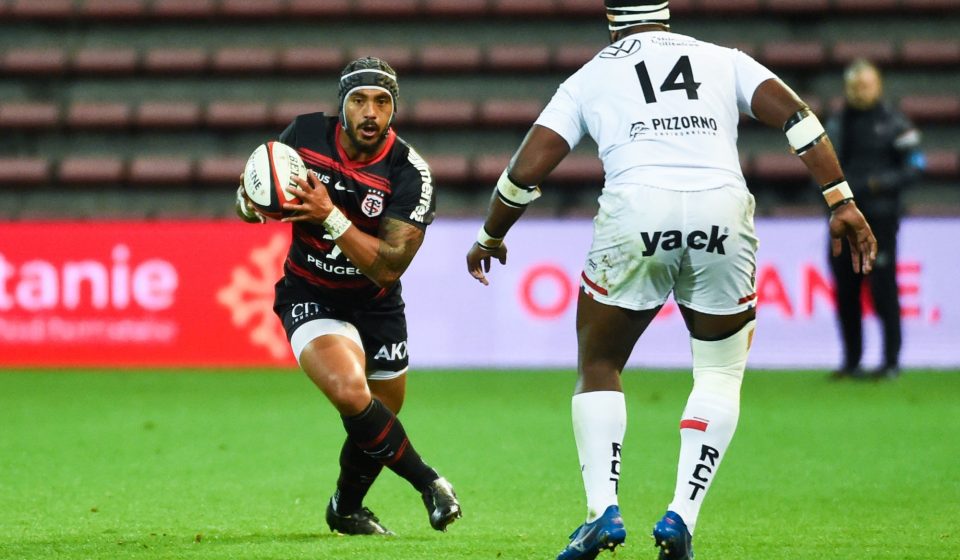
(339, 186)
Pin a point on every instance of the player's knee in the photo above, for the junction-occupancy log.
(718, 365)
(349, 397)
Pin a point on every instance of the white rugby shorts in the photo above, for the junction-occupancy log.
(648, 242)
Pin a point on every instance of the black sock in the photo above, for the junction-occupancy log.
(380, 435)
(357, 473)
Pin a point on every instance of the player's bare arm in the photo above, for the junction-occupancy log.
(383, 258)
(541, 151)
(776, 105)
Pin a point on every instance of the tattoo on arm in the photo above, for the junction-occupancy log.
(399, 242)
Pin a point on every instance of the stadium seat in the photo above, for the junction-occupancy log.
(925, 52)
(509, 112)
(237, 114)
(454, 8)
(578, 168)
(582, 8)
(798, 6)
(90, 170)
(449, 168)
(878, 52)
(30, 115)
(375, 9)
(45, 9)
(518, 58)
(297, 60)
(778, 167)
(442, 113)
(793, 54)
(244, 60)
(183, 9)
(220, 170)
(571, 57)
(253, 9)
(487, 168)
(175, 61)
(950, 6)
(943, 164)
(113, 9)
(400, 58)
(931, 108)
(98, 115)
(155, 170)
(450, 58)
(861, 6)
(319, 9)
(113, 61)
(729, 7)
(15, 171)
(167, 115)
(523, 8)
(283, 113)
(32, 61)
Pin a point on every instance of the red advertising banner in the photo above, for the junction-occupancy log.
(141, 294)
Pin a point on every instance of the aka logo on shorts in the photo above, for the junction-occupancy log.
(673, 239)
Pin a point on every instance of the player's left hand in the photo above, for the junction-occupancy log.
(314, 201)
(478, 260)
(847, 223)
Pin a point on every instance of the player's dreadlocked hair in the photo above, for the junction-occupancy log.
(627, 13)
(368, 72)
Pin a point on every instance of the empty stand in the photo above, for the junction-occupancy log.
(244, 60)
(931, 108)
(165, 60)
(105, 61)
(450, 58)
(167, 115)
(455, 8)
(378, 9)
(568, 58)
(778, 167)
(91, 170)
(29, 115)
(114, 10)
(98, 115)
(879, 52)
(34, 61)
(442, 113)
(793, 54)
(319, 9)
(518, 58)
(731, 7)
(798, 6)
(509, 112)
(943, 164)
(925, 52)
(182, 9)
(450, 168)
(400, 58)
(16, 171)
(297, 60)
(283, 113)
(220, 170)
(866, 6)
(236, 114)
(159, 170)
(250, 9)
(45, 9)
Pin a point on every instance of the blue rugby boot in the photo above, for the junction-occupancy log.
(671, 536)
(604, 533)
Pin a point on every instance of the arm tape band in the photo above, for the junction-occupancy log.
(336, 223)
(487, 241)
(244, 207)
(513, 194)
(803, 130)
(836, 193)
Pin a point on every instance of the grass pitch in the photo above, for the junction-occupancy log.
(238, 465)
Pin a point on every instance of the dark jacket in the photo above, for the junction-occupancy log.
(879, 150)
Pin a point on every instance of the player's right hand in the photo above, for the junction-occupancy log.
(478, 260)
(847, 222)
(245, 209)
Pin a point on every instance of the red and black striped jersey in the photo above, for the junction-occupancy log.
(396, 184)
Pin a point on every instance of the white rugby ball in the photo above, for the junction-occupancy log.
(269, 170)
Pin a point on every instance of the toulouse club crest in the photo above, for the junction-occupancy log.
(372, 205)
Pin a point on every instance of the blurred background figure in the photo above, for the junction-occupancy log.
(878, 148)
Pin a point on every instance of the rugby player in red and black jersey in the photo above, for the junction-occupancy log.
(357, 224)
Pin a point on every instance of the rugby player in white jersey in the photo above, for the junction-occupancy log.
(675, 216)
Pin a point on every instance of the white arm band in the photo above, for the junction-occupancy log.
(837, 193)
(487, 241)
(513, 194)
(336, 223)
(803, 131)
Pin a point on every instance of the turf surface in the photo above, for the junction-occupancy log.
(240, 465)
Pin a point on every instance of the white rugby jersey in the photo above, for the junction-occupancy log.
(663, 109)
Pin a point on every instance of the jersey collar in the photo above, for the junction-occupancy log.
(349, 163)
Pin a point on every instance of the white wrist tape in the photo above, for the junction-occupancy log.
(803, 131)
(336, 223)
(836, 193)
(487, 241)
(513, 194)
(245, 208)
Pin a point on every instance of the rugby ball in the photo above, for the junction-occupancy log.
(269, 170)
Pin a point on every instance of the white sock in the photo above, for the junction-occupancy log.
(709, 419)
(599, 422)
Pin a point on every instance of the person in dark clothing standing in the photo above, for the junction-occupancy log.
(878, 148)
